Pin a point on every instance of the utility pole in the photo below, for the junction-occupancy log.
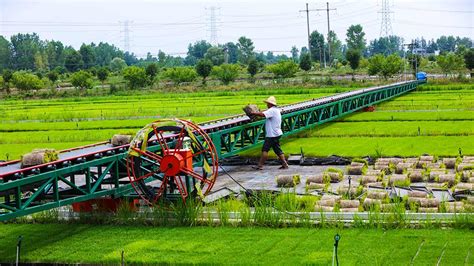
(329, 31)
(307, 10)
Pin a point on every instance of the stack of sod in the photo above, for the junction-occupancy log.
(402, 167)
(327, 203)
(119, 140)
(464, 187)
(428, 205)
(465, 166)
(374, 199)
(415, 175)
(316, 181)
(39, 156)
(398, 180)
(353, 190)
(453, 207)
(349, 205)
(449, 179)
(287, 180)
(333, 174)
(424, 161)
(249, 109)
(450, 163)
(435, 173)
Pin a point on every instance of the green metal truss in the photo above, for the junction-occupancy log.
(107, 176)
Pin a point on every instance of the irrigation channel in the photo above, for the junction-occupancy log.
(102, 170)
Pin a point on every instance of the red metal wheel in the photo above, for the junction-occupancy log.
(172, 158)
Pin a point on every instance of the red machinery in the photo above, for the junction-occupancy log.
(185, 160)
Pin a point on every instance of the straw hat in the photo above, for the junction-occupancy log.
(271, 100)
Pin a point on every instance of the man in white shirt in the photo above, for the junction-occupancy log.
(273, 133)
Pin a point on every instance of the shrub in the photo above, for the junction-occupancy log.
(226, 73)
(253, 67)
(117, 64)
(102, 74)
(135, 76)
(53, 76)
(82, 79)
(283, 69)
(26, 81)
(151, 71)
(180, 74)
(305, 62)
(203, 69)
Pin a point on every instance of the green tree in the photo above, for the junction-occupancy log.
(73, 60)
(196, 51)
(294, 54)
(105, 53)
(226, 73)
(88, 55)
(246, 48)
(316, 42)
(353, 56)
(393, 64)
(336, 46)
(469, 60)
(55, 54)
(7, 76)
(355, 38)
(375, 64)
(102, 74)
(215, 55)
(203, 69)
(253, 67)
(450, 63)
(117, 64)
(24, 49)
(232, 51)
(151, 71)
(53, 76)
(180, 74)
(135, 76)
(5, 53)
(26, 81)
(305, 62)
(283, 69)
(82, 79)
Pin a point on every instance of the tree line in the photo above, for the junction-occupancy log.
(28, 62)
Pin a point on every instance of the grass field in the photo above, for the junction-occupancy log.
(435, 119)
(226, 245)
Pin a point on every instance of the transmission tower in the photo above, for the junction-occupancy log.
(386, 25)
(126, 34)
(212, 24)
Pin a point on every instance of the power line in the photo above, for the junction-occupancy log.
(386, 24)
(436, 10)
(307, 10)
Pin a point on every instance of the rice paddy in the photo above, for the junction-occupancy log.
(435, 119)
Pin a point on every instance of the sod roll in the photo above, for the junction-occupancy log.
(450, 179)
(119, 140)
(428, 209)
(370, 203)
(249, 109)
(312, 185)
(427, 158)
(377, 195)
(450, 163)
(415, 175)
(285, 181)
(417, 194)
(402, 167)
(334, 177)
(349, 204)
(366, 179)
(393, 179)
(349, 209)
(39, 156)
(457, 206)
(355, 169)
(315, 179)
(429, 202)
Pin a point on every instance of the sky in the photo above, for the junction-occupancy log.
(273, 25)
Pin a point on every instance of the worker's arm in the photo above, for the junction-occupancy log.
(261, 114)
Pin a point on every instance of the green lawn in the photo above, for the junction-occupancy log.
(68, 243)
